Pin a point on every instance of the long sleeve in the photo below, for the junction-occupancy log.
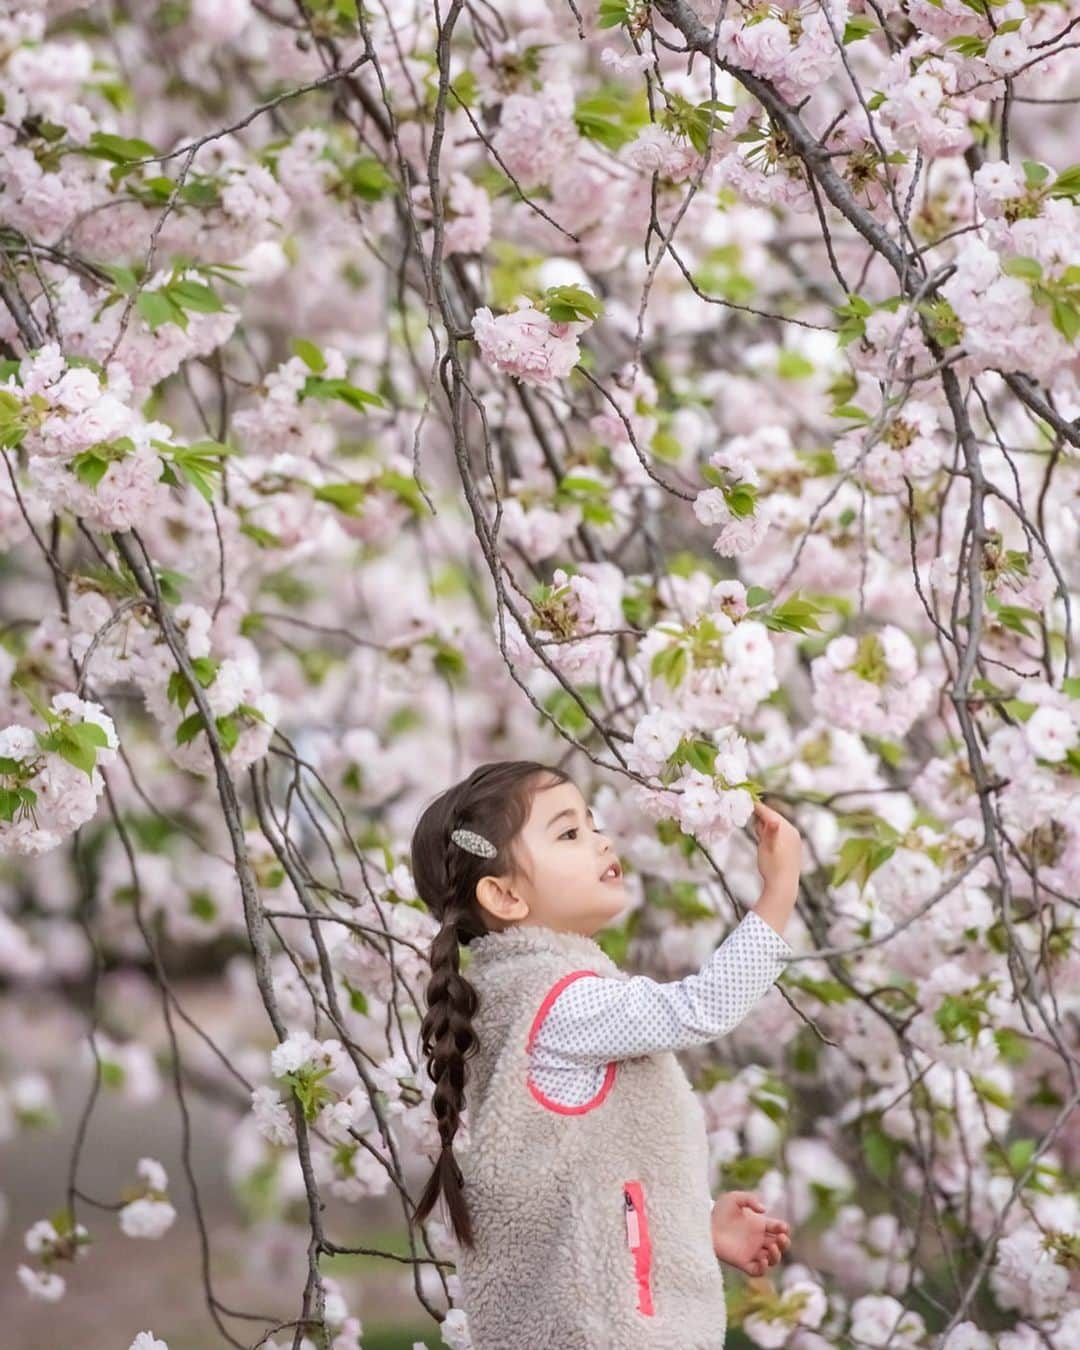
(596, 1019)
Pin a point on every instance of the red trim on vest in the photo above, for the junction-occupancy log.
(640, 1243)
(541, 1012)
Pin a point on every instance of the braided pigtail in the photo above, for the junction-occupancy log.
(493, 802)
(448, 1039)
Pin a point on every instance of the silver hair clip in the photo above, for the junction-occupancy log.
(473, 843)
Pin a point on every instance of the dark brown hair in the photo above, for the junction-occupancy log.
(494, 800)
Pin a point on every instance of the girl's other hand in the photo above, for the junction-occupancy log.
(779, 848)
(744, 1236)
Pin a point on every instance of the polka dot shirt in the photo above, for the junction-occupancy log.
(596, 1019)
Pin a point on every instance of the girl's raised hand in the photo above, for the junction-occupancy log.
(744, 1236)
(779, 847)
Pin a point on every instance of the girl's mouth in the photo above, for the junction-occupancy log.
(613, 873)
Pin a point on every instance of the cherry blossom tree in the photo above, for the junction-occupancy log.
(688, 392)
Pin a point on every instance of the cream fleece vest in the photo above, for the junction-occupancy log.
(592, 1222)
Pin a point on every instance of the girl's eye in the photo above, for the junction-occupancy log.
(574, 829)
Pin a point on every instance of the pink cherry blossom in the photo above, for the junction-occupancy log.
(525, 343)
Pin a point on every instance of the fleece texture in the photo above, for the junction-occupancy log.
(592, 1222)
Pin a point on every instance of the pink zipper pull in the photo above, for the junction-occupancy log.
(633, 1230)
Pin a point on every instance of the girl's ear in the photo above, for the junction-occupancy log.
(499, 900)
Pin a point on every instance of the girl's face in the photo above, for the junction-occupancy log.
(566, 856)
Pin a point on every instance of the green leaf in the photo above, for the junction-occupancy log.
(201, 192)
(347, 497)
(880, 1151)
(776, 1111)
(670, 664)
(10, 803)
(156, 189)
(795, 615)
(194, 295)
(357, 1000)
(123, 278)
(1016, 618)
(665, 445)
(1028, 268)
(698, 753)
(967, 44)
(118, 149)
(405, 487)
(859, 859)
(157, 309)
(890, 751)
(449, 661)
(1066, 318)
(855, 305)
(311, 356)
(567, 304)
(309, 1091)
(696, 122)
(1018, 708)
(89, 468)
(609, 117)
(741, 499)
(597, 513)
(228, 731)
(48, 131)
(465, 88)
(189, 728)
(685, 903)
(263, 537)
(581, 485)
(792, 365)
(991, 1092)
(201, 905)
(613, 13)
(198, 462)
(367, 179)
(353, 395)
(169, 582)
(1067, 183)
(78, 744)
(205, 669)
(1034, 172)
(745, 1172)
(825, 991)
(859, 26)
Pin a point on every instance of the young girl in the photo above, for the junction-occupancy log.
(582, 1203)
